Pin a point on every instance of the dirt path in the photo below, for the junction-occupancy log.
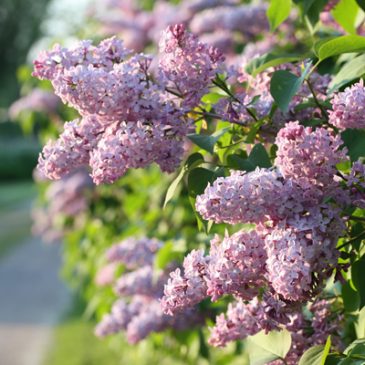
(32, 300)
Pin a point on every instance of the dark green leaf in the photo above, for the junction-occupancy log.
(203, 348)
(198, 179)
(357, 276)
(283, 86)
(354, 141)
(259, 157)
(352, 70)
(340, 45)
(351, 299)
(356, 348)
(277, 12)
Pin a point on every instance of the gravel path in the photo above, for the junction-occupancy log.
(32, 300)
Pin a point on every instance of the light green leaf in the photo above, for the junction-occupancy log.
(267, 60)
(352, 70)
(313, 356)
(345, 14)
(206, 142)
(165, 255)
(361, 3)
(356, 348)
(339, 45)
(264, 348)
(360, 324)
(277, 12)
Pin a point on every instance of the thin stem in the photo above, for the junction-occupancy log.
(320, 106)
(216, 116)
(227, 91)
(359, 219)
(173, 92)
(361, 235)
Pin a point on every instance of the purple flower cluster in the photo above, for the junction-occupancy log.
(308, 156)
(348, 108)
(134, 252)
(139, 311)
(68, 197)
(187, 65)
(289, 254)
(129, 120)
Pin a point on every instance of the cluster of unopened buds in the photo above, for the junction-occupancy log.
(138, 311)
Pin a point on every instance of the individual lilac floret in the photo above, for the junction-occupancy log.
(71, 150)
(241, 197)
(330, 5)
(187, 289)
(187, 65)
(236, 265)
(348, 108)
(308, 156)
(134, 252)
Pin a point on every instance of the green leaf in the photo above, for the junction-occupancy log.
(313, 356)
(326, 350)
(267, 60)
(339, 45)
(277, 12)
(194, 160)
(351, 299)
(206, 142)
(198, 180)
(354, 141)
(345, 14)
(165, 255)
(258, 158)
(356, 348)
(264, 348)
(203, 348)
(283, 86)
(357, 276)
(361, 3)
(360, 324)
(352, 70)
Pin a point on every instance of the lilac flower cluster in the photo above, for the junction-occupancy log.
(68, 197)
(348, 108)
(138, 311)
(289, 254)
(37, 100)
(187, 65)
(128, 119)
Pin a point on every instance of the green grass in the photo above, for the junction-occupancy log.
(15, 220)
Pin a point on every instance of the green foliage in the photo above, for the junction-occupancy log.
(350, 71)
(345, 13)
(315, 355)
(264, 348)
(339, 45)
(277, 12)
